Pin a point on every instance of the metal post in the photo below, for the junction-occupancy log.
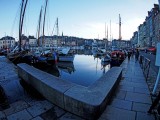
(156, 84)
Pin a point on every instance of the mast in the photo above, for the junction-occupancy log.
(105, 37)
(120, 37)
(57, 28)
(105, 30)
(39, 26)
(57, 31)
(20, 20)
(110, 31)
(44, 21)
(22, 13)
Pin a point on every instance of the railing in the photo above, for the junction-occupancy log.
(145, 65)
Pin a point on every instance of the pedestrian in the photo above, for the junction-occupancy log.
(129, 55)
(117, 54)
(137, 54)
(132, 52)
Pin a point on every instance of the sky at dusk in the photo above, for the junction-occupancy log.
(80, 18)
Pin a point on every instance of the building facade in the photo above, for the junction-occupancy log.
(148, 32)
(134, 40)
(7, 42)
(121, 44)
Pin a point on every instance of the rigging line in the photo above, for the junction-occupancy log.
(44, 20)
(15, 19)
(48, 19)
(53, 28)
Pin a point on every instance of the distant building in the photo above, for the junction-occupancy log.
(49, 41)
(149, 31)
(134, 40)
(32, 41)
(121, 44)
(142, 35)
(24, 42)
(7, 42)
(156, 37)
(150, 25)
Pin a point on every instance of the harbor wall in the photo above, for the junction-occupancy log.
(87, 102)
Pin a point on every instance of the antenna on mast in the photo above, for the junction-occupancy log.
(120, 37)
(57, 27)
(110, 31)
(57, 31)
(105, 31)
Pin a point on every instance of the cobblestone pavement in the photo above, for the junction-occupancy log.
(130, 102)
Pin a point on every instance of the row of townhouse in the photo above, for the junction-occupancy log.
(148, 33)
(45, 41)
(54, 41)
(121, 44)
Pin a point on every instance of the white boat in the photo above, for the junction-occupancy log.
(65, 55)
(106, 58)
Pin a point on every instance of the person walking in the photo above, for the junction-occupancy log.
(129, 55)
(137, 55)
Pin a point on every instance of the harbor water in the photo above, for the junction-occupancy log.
(84, 70)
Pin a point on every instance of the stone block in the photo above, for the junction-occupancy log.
(122, 104)
(112, 113)
(22, 115)
(48, 85)
(87, 102)
(16, 107)
(90, 102)
(140, 107)
(39, 108)
(138, 97)
(144, 116)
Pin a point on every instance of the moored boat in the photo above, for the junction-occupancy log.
(106, 58)
(65, 56)
(117, 57)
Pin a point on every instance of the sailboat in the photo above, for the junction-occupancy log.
(117, 56)
(62, 53)
(16, 56)
(40, 60)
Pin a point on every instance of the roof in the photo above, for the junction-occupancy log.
(7, 38)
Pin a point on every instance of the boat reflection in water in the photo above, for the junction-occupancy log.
(84, 70)
(52, 70)
(67, 67)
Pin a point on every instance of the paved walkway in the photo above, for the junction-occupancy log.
(131, 101)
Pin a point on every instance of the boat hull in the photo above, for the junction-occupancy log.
(66, 58)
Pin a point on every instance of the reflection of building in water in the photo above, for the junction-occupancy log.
(67, 67)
